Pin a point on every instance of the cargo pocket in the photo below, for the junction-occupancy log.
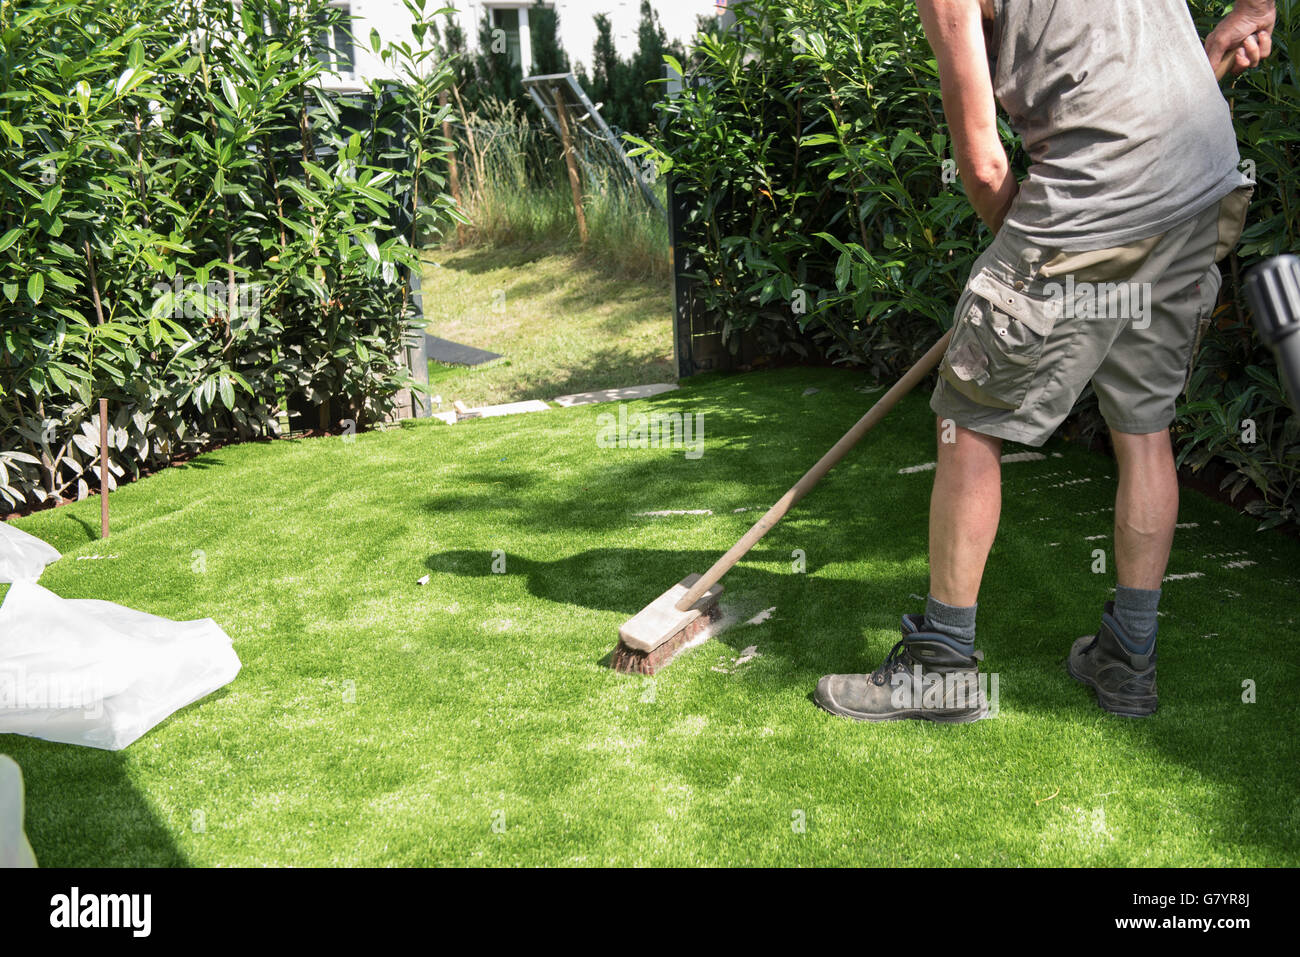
(997, 342)
(1232, 220)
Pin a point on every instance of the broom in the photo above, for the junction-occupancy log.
(650, 639)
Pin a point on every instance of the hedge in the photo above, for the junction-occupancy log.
(193, 229)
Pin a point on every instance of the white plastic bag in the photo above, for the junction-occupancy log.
(23, 556)
(14, 849)
(84, 671)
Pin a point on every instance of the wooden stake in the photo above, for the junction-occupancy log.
(103, 403)
(571, 160)
(103, 468)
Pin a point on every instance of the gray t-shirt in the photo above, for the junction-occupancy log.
(1117, 105)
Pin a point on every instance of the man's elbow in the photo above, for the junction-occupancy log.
(987, 173)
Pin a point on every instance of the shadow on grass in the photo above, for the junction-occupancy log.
(1208, 741)
(595, 287)
(491, 258)
(92, 533)
(65, 528)
(83, 810)
(740, 451)
(624, 580)
(1039, 599)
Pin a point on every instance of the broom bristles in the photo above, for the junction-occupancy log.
(630, 661)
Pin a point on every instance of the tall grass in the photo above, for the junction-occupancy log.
(516, 191)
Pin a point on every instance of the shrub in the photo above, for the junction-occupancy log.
(190, 230)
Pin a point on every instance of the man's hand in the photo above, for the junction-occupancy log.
(1243, 38)
(955, 29)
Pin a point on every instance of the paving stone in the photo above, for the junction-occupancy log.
(510, 408)
(626, 394)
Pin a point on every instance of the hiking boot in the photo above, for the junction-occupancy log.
(924, 676)
(1125, 683)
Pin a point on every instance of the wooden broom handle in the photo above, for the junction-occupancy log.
(1225, 64)
(817, 472)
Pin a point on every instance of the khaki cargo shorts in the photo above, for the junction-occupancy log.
(1035, 325)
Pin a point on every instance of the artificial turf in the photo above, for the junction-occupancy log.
(470, 720)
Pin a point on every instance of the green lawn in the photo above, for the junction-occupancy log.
(562, 323)
(470, 721)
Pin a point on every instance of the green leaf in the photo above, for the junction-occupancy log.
(51, 199)
(318, 174)
(35, 287)
(63, 280)
(230, 93)
(9, 238)
(130, 78)
(842, 271)
(58, 378)
(11, 131)
(307, 196)
(374, 194)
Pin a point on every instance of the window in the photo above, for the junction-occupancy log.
(334, 40)
(506, 19)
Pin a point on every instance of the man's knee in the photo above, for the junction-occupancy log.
(1147, 447)
(953, 439)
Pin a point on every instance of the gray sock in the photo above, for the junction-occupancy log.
(1135, 610)
(952, 621)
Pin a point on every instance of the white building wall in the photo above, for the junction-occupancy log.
(577, 27)
(391, 19)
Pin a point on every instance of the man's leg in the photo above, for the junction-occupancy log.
(1138, 384)
(964, 509)
(1146, 508)
(1120, 660)
(1146, 511)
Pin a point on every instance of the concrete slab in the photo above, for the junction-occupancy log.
(510, 408)
(626, 394)
(462, 413)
